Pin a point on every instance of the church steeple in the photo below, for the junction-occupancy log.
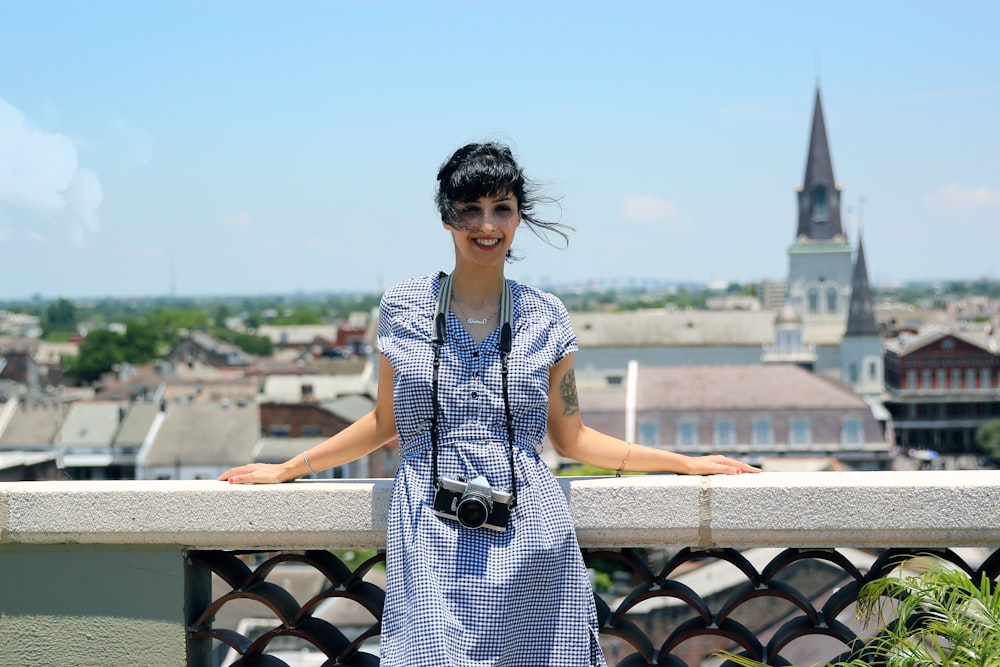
(861, 316)
(819, 197)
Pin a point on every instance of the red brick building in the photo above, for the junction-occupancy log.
(942, 385)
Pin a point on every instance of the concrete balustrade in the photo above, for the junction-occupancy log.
(93, 573)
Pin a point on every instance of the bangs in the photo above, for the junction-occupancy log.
(482, 178)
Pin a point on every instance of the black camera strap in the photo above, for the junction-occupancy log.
(506, 339)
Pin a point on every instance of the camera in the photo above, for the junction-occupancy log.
(474, 504)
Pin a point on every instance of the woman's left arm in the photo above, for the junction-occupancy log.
(572, 439)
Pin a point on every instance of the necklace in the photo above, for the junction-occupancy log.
(462, 311)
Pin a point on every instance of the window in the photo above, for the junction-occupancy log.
(312, 431)
(799, 432)
(956, 378)
(852, 373)
(615, 380)
(280, 430)
(831, 300)
(819, 213)
(724, 433)
(649, 432)
(852, 432)
(941, 380)
(970, 378)
(763, 432)
(813, 300)
(925, 379)
(911, 379)
(873, 370)
(687, 434)
(984, 378)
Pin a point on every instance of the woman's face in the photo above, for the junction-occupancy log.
(484, 230)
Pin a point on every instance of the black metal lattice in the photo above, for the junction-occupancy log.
(650, 617)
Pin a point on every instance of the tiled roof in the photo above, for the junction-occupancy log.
(34, 424)
(205, 433)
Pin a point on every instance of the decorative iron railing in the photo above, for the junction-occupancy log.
(798, 595)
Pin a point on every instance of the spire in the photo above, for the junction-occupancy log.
(819, 198)
(861, 316)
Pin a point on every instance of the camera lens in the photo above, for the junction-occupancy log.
(477, 501)
(472, 512)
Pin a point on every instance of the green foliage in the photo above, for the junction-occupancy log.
(352, 558)
(988, 439)
(59, 317)
(140, 343)
(300, 316)
(104, 349)
(100, 351)
(168, 321)
(582, 470)
(261, 346)
(953, 620)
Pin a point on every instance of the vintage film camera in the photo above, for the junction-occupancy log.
(474, 504)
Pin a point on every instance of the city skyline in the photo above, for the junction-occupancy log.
(198, 149)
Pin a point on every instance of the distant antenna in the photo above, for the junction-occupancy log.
(861, 213)
(173, 276)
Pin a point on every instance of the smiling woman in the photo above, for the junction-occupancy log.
(475, 371)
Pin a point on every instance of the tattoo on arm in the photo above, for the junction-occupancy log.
(567, 390)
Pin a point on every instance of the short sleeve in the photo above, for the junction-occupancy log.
(567, 344)
(386, 312)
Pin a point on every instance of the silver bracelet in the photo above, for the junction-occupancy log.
(306, 459)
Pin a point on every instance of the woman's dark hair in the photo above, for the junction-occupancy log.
(488, 170)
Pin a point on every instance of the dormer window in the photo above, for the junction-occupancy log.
(819, 207)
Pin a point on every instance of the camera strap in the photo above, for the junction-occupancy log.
(504, 346)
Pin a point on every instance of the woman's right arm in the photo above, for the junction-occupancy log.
(360, 438)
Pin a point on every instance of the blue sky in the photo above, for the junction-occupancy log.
(203, 148)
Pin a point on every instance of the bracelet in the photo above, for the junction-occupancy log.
(306, 459)
(628, 450)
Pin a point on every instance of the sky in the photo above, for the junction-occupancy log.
(209, 148)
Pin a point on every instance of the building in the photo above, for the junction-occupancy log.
(751, 412)
(942, 385)
(826, 309)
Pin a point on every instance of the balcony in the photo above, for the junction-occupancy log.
(126, 573)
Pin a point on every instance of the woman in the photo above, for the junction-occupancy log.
(482, 563)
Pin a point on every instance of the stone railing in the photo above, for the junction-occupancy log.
(126, 573)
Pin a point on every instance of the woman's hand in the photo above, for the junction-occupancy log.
(256, 473)
(717, 464)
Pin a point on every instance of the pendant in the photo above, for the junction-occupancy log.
(473, 320)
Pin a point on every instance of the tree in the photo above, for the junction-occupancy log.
(100, 351)
(140, 343)
(988, 439)
(60, 317)
(262, 346)
(103, 349)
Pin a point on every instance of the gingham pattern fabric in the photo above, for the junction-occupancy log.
(459, 597)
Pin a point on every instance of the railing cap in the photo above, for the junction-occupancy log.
(821, 509)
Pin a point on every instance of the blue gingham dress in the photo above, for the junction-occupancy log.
(458, 597)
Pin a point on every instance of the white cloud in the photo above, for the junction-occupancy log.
(40, 174)
(967, 200)
(648, 209)
(237, 220)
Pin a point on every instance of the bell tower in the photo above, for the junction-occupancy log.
(820, 259)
